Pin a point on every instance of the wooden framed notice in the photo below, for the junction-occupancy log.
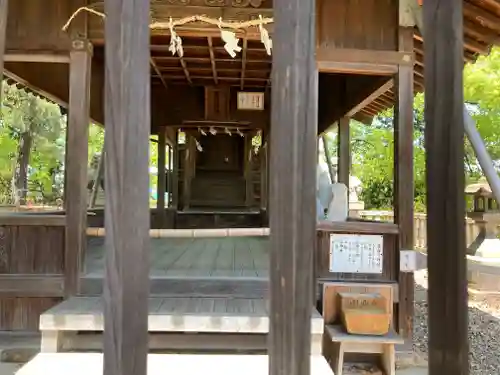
(354, 253)
(251, 101)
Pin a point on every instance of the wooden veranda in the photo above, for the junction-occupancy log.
(119, 72)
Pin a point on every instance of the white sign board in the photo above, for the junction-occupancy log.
(354, 253)
(251, 101)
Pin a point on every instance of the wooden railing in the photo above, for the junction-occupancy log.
(420, 226)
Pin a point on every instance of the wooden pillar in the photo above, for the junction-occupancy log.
(189, 165)
(263, 175)
(444, 140)
(344, 151)
(4, 10)
(127, 220)
(248, 170)
(76, 194)
(403, 178)
(169, 175)
(175, 171)
(162, 178)
(294, 127)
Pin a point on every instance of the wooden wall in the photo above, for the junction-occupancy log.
(31, 268)
(360, 24)
(36, 25)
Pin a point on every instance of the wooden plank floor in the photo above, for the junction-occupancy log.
(173, 314)
(159, 364)
(195, 257)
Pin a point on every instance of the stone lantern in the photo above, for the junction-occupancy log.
(486, 215)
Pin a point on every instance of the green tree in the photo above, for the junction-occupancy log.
(34, 125)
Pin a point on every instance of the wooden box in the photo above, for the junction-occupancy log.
(364, 313)
(331, 300)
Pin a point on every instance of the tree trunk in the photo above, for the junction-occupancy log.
(328, 158)
(21, 171)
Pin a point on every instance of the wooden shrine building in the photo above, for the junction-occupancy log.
(234, 244)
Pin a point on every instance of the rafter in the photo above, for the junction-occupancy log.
(157, 71)
(186, 72)
(205, 59)
(235, 79)
(212, 59)
(243, 62)
(481, 16)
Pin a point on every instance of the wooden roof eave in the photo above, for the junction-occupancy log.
(481, 33)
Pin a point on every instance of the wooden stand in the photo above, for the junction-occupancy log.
(337, 342)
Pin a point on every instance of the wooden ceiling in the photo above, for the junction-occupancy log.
(206, 62)
(481, 32)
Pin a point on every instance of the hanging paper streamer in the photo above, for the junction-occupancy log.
(175, 41)
(198, 145)
(265, 38)
(230, 41)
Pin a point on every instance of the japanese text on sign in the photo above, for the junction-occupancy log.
(354, 253)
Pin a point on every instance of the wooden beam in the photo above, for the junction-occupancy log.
(206, 60)
(370, 98)
(403, 179)
(4, 10)
(158, 72)
(356, 68)
(243, 62)
(37, 57)
(470, 44)
(30, 219)
(344, 151)
(162, 176)
(128, 123)
(345, 55)
(444, 140)
(76, 162)
(294, 117)
(480, 32)
(186, 71)
(212, 59)
(19, 285)
(481, 16)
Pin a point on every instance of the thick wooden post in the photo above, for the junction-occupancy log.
(4, 10)
(444, 140)
(248, 172)
(294, 127)
(175, 172)
(344, 151)
(127, 117)
(403, 178)
(76, 163)
(162, 177)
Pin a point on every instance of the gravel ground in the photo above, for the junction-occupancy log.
(484, 331)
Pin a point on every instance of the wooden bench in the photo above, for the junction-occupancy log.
(338, 342)
(217, 322)
(159, 364)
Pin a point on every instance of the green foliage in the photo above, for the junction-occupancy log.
(24, 113)
(372, 146)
